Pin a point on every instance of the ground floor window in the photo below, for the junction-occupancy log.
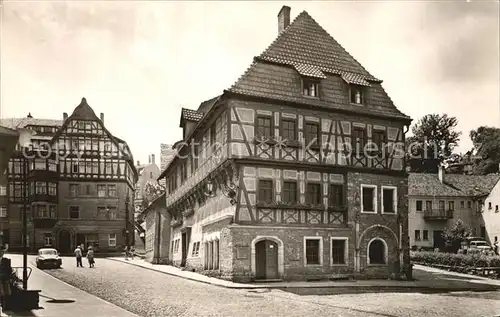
(91, 240)
(313, 249)
(112, 240)
(339, 251)
(196, 249)
(47, 239)
(211, 249)
(377, 252)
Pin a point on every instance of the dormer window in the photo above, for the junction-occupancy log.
(310, 88)
(357, 95)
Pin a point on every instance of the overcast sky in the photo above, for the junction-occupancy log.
(140, 62)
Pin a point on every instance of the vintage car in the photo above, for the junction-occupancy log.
(48, 257)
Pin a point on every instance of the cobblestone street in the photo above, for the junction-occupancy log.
(149, 293)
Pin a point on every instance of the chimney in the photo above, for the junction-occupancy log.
(138, 163)
(153, 158)
(440, 172)
(149, 158)
(283, 18)
(65, 116)
(102, 117)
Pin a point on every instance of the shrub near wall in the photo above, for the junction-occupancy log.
(466, 263)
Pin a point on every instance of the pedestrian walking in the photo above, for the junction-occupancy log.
(126, 252)
(79, 255)
(132, 252)
(5, 277)
(90, 257)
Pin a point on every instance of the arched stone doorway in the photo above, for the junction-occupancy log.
(266, 260)
(64, 241)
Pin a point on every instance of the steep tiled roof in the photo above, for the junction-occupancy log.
(83, 111)
(305, 41)
(454, 185)
(304, 47)
(13, 123)
(191, 115)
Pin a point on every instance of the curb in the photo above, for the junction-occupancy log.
(188, 278)
(341, 288)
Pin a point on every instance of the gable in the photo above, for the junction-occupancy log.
(305, 50)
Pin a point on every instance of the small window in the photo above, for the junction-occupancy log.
(52, 189)
(462, 204)
(3, 190)
(496, 208)
(196, 249)
(339, 251)
(336, 196)
(264, 128)
(101, 190)
(3, 211)
(369, 198)
(266, 191)
(469, 204)
(428, 205)
(47, 239)
(289, 130)
(312, 133)
(389, 200)
(489, 205)
(150, 175)
(356, 95)
(377, 252)
(111, 213)
(74, 212)
(441, 205)
(112, 240)
(358, 141)
(313, 194)
(289, 194)
(74, 190)
(313, 251)
(419, 205)
(378, 141)
(112, 190)
(310, 88)
(425, 235)
(451, 205)
(417, 235)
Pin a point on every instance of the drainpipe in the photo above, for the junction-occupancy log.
(158, 240)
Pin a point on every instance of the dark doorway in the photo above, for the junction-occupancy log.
(266, 260)
(439, 240)
(64, 242)
(483, 232)
(185, 245)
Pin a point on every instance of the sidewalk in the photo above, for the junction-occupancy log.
(59, 299)
(431, 279)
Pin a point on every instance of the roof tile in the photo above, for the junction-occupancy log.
(191, 115)
(454, 185)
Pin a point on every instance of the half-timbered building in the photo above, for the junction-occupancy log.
(74, 178)
(295, 172)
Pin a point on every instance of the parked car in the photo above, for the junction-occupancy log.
(48, 257)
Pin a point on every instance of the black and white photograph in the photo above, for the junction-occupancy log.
(250, 158)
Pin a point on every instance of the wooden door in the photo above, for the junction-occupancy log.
(184, 246)
(266, 260)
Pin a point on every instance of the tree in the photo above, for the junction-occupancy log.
(455, 234)
(150, 193)
(486, 141)
(434, 138)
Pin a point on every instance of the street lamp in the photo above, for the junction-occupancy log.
(227, 190)
(127, 232)
(25, 136)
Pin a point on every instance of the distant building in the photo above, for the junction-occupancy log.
(147, 173)
(8, 141)
(157, 224)
(437, 201)
(78, 176)
(167, 154)
(273, 179)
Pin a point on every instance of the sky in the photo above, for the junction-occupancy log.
(140, 62)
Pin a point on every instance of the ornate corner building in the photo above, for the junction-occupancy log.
(73, 178)
(277, 178)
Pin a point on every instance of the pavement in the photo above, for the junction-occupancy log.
(58, 298)
(426, 279)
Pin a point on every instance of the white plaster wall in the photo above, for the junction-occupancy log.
(416, 219)
(491, 217)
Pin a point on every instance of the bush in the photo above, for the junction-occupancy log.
(455, 260)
